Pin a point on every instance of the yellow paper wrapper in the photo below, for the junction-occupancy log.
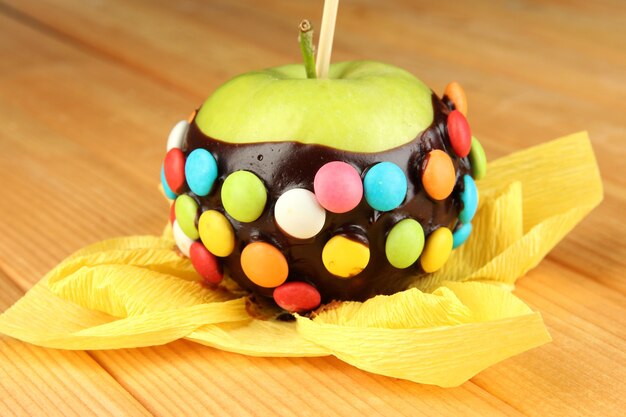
(137, 291)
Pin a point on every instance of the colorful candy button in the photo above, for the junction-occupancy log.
(264, 264)
(478, 160)
(338, 187)
(461, 234)
(174, 168)
(216, 233)
(437, 250)
(192, 116)
(172, 212)
(182, 240)
(177, 135)
(205, 263)
(469, 196)
(385, 186)
(298, 214)
(344, 257)
(200, 171)
(404, 243)
(297, 297)
(456, 94)
(438, 176)
(244, 196)
(186, 212)
(166, 188)
(460, 133)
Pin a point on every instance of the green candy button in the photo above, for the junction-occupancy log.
(186, 210)
(405, 243)
(478, 159)
(244, 196)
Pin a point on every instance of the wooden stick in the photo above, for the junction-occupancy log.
(327, 33)
(306, 46)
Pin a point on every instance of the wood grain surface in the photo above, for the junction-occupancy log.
(90, 90)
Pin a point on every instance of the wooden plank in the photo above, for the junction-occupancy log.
(63, 189)
(184, 378)
(9, 291)
(67, 183)
(524, 88)
(51, 180)
(36, 381)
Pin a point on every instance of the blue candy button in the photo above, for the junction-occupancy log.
(469, 196)
(385, 186)
(200, 171)
(168, 191)
(461, 234)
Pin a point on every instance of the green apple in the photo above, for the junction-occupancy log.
(364, 106)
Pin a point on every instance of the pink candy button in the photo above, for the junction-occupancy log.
(338, 187)
(297, 297)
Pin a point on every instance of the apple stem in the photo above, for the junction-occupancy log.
(306, 46)
(325, 45)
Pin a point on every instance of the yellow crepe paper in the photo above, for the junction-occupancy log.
(137, 291)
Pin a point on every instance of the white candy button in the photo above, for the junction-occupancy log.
(298, 214)
(182, 240)
(177, 135)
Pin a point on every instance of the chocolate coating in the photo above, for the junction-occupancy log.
(286, 165)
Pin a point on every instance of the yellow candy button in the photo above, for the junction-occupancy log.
(437, 250)
(216, 233)
(345, 258)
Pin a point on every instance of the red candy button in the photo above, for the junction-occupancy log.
(460, 133)
(174, 167)
(205, 263)
(297, 297)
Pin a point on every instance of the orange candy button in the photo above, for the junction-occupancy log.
(455, 93)
(192, 116)
(264, 264)
(438, 176)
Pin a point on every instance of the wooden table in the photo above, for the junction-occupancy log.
(89, 91)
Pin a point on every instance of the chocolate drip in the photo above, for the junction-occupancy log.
(286, 165)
